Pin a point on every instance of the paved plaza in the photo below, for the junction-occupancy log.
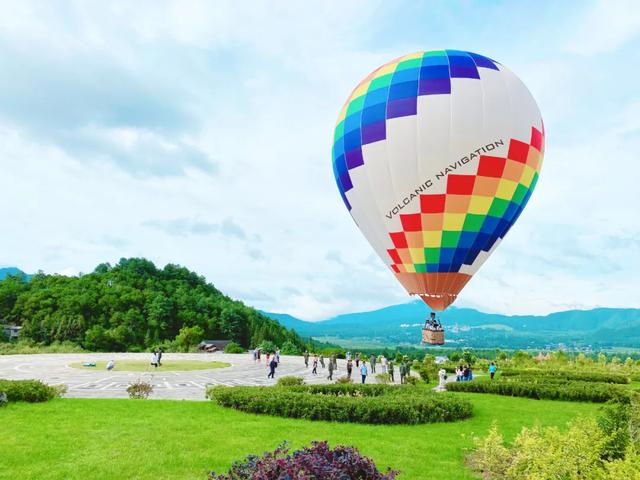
(99, 383)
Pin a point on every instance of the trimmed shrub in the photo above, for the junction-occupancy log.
(411, 380)
(290, 381)
(344, 379)
(545, 389)
(140, 390)
(375, 404)
(27, 391)
(317, 461)
(604, 377)
(233, 347)
(383, 378)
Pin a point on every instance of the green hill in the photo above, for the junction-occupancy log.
(401, 324)
(132, 306)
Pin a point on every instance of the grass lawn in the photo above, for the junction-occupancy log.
(144, 366)
(163, 439)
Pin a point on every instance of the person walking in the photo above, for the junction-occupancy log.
(407, 369)
(372, 361)
(357, 359)
(363, 372)
(334, 361)
(306, 358)
(268, 356)
(403, 372)
(259, 355)
(255, 355)
(322, 360)
(330, 377)
(390, 370)
(492, 370)
(277, 356)
(349, 368)
(159, 356)
(315, 365)
(383, 363)
(110, 365)
(272, 367)
(348, 356)
(154, 360)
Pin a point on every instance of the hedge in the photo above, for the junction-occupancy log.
(560, 390)
(604, 377)
(27, 390)
(374, 404)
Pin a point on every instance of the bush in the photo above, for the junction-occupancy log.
(290, 348)
(383, 378)
(604, 377)
(268, 347)
(233, 347)
(27, 391)
(290, 381)
(317, 461)
(344, 380)
(568, 390)
(375, 404)
(140, 390)
(411, 380)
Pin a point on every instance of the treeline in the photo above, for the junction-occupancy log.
(133, 306)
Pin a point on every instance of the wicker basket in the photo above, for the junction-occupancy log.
(432, 337)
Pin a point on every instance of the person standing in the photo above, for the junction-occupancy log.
(272, 367)
(492, 370)
(348, 356)
(333, 360)
(372, 361)
(159, 356)
(306, 358)
(349, 368)
(277, 356)
(383, 363)
(322, 360)
(403, 372)
(390, 370)
(330, 377)
(357, 359)
(407, 369)
(363, 372)
(315, 365)
(110, 365)
(154, 360)
(259, 354)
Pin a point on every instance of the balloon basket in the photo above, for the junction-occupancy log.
(432, 337)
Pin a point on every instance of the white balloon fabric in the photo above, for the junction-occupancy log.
(435, 155)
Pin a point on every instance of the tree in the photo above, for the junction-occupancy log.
(290, 348)
(189, 337)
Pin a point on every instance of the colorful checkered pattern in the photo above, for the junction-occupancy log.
(453, 228)
(390, 92)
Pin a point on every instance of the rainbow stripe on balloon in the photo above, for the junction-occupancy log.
(391, 91)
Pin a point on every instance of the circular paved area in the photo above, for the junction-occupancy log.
(94, 383)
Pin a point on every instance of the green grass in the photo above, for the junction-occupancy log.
(143, 366)
(162, 439)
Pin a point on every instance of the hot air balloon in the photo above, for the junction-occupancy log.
(435, 155)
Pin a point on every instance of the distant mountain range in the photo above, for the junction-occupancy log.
(4, 272)
(402, 324)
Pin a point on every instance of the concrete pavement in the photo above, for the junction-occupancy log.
(191, 385)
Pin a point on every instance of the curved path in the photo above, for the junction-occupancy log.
(97, 383)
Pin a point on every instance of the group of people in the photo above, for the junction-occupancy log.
(331, 364)
(433, 324)
(464, 373)
(272, 360)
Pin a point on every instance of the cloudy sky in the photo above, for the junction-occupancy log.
(199, 133)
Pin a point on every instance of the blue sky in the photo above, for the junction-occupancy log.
(199, 133)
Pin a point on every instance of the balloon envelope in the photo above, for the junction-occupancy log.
(435, 155)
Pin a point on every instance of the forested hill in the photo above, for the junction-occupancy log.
(132, 306)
